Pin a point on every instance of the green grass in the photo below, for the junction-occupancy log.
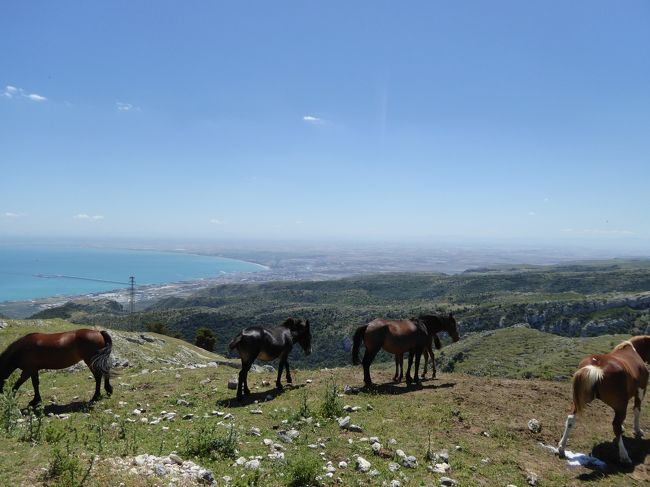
(452, 411)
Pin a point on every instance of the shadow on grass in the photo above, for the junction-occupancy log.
(260, 397)
(607, 451)
(391, 388)
(73, 407)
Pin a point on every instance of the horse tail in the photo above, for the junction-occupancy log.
(235, 342)
(101, 361)
(356, 343)
(584, 382)
(436, 342)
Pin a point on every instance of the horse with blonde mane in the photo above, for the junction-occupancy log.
(614, 378)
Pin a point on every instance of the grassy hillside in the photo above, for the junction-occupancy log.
(480, 422)
(576, 300)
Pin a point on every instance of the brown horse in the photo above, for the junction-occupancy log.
(57, 351)
(614, 378)
(398, 337)
(427, 352)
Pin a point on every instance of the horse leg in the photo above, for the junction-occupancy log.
(368, 357)
(281, 365)
(638, 432)
(398, 358)
(241, 378)
(409, 379)
(21, 380)
(568, 426)
(37, 394)
(617, 425)
(286, 366)
(418, 354)
(247, 391)
(98, 384)
(107, 385)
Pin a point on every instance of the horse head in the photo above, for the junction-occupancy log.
(642, 346)
(300, 332)
(436, 324)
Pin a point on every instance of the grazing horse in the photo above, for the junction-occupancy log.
(268, 344)
(614, 378)
(398, 337)
(57, 351)
(427, 352)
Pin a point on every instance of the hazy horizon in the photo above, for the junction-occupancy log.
(502, 123)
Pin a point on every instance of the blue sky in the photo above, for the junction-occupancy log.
(362, 120)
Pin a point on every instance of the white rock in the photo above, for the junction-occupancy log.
(252, 464)
(343, 464)
(363, 465)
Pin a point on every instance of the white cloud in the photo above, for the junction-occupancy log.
(35, 97)
(86, 217)
(10, 91)
(126, 107)
(214, 221)
(9, 214)
(313, 120)
(14, 92)
(531, 213)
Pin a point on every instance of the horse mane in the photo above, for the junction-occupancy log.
(8, 352)
(623, 345)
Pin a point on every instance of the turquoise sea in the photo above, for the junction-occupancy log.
(39, 271)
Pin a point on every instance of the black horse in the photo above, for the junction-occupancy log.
(268, 344)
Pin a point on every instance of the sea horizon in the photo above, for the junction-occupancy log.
(39, 270)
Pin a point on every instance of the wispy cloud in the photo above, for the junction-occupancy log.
(312, 119)
(12, 215)
(215, 221)
(86, 217)
(126, 107)
(15, 92)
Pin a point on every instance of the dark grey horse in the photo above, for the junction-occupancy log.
(268, 344)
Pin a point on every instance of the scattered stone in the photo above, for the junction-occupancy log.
(252, 464)
(442, 455)
(343, 464)
(288, 436)
(175, 458)
(410, 462)
(240, 461)
(188, 416)
(228, 416)
(355, 428)
(255, 432)
(350, 390)
(374, 472)
(441, 468)
(392, 441)
(447, 481)
(393, 467)
(276, 456)
(376, 447)
(534, 426)
(267, 441)
(485, 433)
(395, 483)
(344, 422)
(363, 465)
(531, 478)
(182, 402)
(256, 411)
(136, 412)
(369, 407)
(308, 381)
(232, 383)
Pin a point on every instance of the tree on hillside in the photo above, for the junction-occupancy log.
(205, 339)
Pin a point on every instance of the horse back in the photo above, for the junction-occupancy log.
(58, 350)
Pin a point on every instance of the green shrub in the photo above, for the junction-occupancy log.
(206, 443)
(332, 406)
(9, 412)
(303, 471)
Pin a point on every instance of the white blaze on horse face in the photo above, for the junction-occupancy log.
(570, 423)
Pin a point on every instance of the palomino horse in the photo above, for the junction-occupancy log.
(398, 337)
(614, 378)
(427, 352)
(57, 351)
(268, 344)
